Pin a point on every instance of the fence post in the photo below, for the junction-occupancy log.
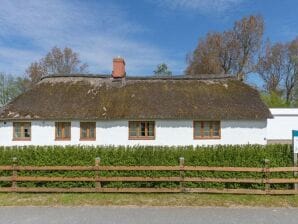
(181, 164)
(267, 175)
(97, 183)
(14, 172)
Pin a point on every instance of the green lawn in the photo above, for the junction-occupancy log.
(113, 199)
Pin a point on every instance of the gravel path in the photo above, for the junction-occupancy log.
(145, 215)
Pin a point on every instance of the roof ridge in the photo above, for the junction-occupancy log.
(175, 77)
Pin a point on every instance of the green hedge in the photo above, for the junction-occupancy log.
(246, 155)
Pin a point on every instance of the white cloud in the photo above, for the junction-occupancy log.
(98, 32)
(201, 6)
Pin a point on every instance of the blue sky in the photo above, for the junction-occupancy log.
(144, 32)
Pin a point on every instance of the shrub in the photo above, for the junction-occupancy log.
(245, 155)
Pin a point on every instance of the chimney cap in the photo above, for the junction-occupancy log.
(119, 58)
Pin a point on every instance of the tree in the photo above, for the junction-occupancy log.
(162, 70)
(36, 71)
(228, 52)
(204, 59)
(272, 67)
(214, 55)
(249, 33)
(278, 68)
(9, 88)
(233, 51)
(290, 80)
(274, 100)
(56, 62)
(23, 84)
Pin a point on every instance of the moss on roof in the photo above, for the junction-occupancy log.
(105, 98)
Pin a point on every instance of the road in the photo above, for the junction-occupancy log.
(145, 215)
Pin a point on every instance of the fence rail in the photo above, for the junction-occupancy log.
(181, 178)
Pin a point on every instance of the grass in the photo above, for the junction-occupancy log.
(117, 199)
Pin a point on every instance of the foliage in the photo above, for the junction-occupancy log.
(162, 70)
(274, 100)
(246, 155)
(10, 87)
(56, 62)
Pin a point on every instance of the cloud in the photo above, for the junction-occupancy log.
(200, 6)
(98, 31)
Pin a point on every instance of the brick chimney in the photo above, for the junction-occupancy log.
(118, 68)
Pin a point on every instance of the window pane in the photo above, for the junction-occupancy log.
(27, 132)
(151, 129)
(66, 130)
(92, 132)
(207, 129)
(197, 128)
(133, 133)
(143, 129)
(133, 129)
(84, 132)
(17, 131)
(59, 131)
(216, 129)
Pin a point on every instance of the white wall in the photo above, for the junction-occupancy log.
(168, 132)
(284, 121)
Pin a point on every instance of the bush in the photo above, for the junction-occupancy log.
(246, 155)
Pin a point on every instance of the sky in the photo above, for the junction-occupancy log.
(144, 32)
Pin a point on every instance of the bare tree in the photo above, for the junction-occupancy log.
(228, 51)
(36, 71)
(278, 68)
(233, 51)
(56, 62)
(249, 32)
(290, 79)
(272, 67)
(204, 59)
(63, 62)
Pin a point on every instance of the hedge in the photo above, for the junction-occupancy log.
(245, 156)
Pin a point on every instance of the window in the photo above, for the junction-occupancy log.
(206, 129)
(22, 131)
(141, 129)
(88, 131)
(62, 131)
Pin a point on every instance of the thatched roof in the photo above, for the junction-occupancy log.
(103, 98)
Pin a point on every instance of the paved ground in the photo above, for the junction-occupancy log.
(152, 215)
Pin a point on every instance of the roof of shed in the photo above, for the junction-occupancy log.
(103, 98)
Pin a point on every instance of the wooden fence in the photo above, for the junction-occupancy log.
(181, 179)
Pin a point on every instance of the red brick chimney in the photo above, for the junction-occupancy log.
(118, 68)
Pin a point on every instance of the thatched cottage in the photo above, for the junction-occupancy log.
(121, 110)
